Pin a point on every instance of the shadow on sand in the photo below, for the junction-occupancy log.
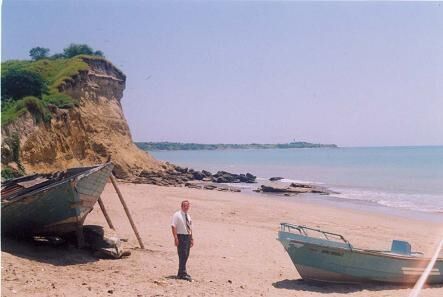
(319, 287)
(60, 255)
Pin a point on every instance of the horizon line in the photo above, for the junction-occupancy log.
(338, 146)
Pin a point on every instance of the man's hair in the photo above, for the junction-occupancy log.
(185, 201)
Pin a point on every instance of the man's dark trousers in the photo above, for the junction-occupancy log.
(183, 248)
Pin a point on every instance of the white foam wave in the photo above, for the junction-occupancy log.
(241, 185)
(299, 181)
(411, 201)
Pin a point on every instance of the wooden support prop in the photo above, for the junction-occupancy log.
(422, 280)
(105, 213)
(120, 196)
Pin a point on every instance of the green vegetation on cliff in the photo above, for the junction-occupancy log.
(52, 73)
(32, 85)
(172, 146)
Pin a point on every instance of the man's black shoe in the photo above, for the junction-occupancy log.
(185, 277)
(188, 278)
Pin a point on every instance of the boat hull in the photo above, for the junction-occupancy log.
(58, 208)
(343, 264)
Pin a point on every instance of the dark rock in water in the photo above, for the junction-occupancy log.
(189, 176)
(272, 189)
(276, 178)
(220, 173)
(243, 178)
(198, 175)
(177, 176)
(293, 189)
(250, 176)
(221, 179)
(181, 169)
(226, 177)
(206, 173)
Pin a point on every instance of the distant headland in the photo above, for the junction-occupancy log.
(175, 146)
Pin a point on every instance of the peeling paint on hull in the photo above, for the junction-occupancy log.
(56, 208)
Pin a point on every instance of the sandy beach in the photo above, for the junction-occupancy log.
(235, 254)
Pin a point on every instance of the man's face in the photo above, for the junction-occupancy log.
(185, 206)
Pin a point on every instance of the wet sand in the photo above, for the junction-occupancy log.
(235, 254)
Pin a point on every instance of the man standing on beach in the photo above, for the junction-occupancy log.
(182, 232)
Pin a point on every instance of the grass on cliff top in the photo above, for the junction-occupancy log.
(55, 72)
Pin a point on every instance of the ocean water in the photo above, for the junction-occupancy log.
(396, 177)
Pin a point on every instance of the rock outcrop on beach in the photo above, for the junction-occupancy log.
(89, 132)
(226, 177)
(174, 175)
(292, 189)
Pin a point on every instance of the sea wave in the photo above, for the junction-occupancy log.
(299, 181)
(246, 186)
(412, 201)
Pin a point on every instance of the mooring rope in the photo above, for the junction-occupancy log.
(421, 281)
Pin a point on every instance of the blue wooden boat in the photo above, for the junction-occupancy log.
(51, 204)
(328, 257)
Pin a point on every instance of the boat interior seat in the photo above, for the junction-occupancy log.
(401, 247)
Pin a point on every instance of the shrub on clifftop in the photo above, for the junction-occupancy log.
(74, 49)
(38, 53)
(80, 49)
(17, 83)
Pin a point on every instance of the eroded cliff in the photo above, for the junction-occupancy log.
(87, 133)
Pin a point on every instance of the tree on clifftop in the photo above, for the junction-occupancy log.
(80, 49)
(38, 53)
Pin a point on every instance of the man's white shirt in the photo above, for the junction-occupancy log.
(179, 222)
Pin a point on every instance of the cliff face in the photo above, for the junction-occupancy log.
(85, 134)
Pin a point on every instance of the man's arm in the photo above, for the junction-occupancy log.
(174, 233)
(192, 237)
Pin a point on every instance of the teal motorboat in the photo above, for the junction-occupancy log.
(328, 257)
(51, 204)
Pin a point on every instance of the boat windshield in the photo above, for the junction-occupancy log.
(313, 232)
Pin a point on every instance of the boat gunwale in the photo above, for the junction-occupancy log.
(87, 172)
(363, 251)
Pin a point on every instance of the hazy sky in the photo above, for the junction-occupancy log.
(354, 74)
